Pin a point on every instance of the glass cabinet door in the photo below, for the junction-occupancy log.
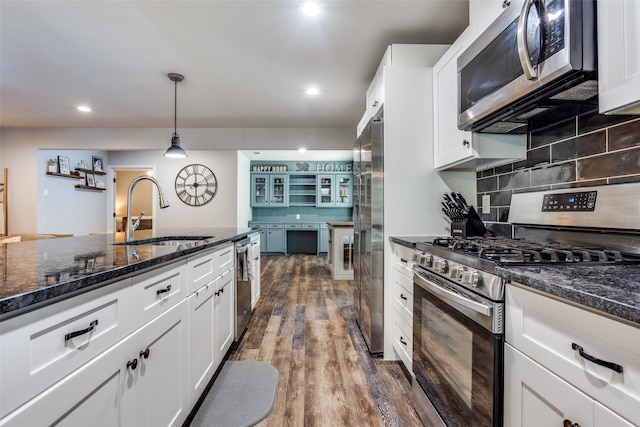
(259, 190)
(344, 190)
(325, 191)
(279, 190)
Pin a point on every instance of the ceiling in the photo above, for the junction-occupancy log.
(246, 63)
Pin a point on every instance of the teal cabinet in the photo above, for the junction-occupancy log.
(275, 238)
(335, 190)
(269, 190)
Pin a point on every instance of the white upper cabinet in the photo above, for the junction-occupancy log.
(619, 56)
(451, 144)
(483, 12)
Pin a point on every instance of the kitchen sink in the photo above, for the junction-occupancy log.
(169, 241)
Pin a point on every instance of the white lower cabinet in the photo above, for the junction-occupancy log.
(255, 283)
(201, 329)
(109, 391)
(224, 316)
(402, 291)
(565, 362)
(138, 352)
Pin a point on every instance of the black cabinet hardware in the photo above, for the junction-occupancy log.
(133, 364)
(403, 297)
(91, 327)
(162, 291)
(610, 365)
(144, 353)
(403, 341)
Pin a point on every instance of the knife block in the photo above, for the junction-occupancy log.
(471, 226)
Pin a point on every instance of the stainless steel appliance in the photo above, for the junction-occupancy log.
(368, 234)
(536, 61)
(244, 272)
(459, 295)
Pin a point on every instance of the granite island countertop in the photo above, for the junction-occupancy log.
(38, 272)
(611, 289)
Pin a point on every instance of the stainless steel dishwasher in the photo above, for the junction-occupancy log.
(244, 273)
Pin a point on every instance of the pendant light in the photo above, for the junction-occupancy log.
(175, 151)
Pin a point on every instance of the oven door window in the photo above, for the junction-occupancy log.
(454, 360)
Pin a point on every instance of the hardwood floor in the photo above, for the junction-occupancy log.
(304, 325)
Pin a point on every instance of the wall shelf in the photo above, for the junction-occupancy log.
(91, 171)
(86, 187)
(65, 175)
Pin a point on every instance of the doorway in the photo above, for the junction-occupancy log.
(142, 201)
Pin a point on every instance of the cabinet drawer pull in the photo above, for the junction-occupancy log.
(403, 260)
(162, 291)
(144, 353)
(403, 297)
(403, 341)
(610, 365)
(133, 364)
(569, 423)
(91, 327)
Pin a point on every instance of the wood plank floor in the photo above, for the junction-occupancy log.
(304, 325)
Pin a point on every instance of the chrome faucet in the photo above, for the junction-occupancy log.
(164, 203)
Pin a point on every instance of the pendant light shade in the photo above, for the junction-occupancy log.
(175, 151)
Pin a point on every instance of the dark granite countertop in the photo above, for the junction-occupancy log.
(38, 272)
(410, 241)
(612, 289)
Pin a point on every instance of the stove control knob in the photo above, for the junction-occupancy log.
(441, 265)
(456, 272)
(471, 278)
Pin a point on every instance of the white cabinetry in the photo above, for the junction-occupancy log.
(255, 283)
(402, 288)
(547, 376)
(211, 315)
(619, 56)
(482, 13)
(138, 382)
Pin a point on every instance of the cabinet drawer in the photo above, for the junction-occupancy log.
(39, 348)
(404, 259)
(544, 329)
(274, 226)
(225, 258)
(403, 341)
(403, 295)
(310, 226)
(159, 290)
(293, 226)
(201, 270)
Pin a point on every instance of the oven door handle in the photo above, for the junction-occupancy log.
(452, 296)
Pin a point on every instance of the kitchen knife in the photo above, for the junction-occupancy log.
(457, 201)
(446, 212)
(462, 200)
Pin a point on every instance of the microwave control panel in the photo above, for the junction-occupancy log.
(584, 201)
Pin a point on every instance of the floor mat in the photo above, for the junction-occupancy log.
(243, 395)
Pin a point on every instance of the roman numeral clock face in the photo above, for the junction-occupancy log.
(196, 185)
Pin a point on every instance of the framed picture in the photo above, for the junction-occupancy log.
(63, 165)
(99, 183)
(97, 164)
(91, 180)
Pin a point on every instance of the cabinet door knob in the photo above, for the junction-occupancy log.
(465, 142)
(133, 364)
(144, 353)
(569, 423)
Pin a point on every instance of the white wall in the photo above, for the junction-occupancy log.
(60, 206)
(219, 212)
(244, 212)
(19, 153)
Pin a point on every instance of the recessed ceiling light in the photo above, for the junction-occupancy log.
(302, 150)
(312, 91)
(310, 9)
(84, 108)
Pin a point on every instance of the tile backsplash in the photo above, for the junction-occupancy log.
(586, 150)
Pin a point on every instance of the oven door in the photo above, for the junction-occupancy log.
(457, 357)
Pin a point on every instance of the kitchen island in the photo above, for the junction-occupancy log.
(34, 273)
(93, 331)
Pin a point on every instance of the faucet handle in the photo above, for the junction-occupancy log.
(136, 223)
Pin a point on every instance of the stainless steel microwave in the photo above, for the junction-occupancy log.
(538, 61)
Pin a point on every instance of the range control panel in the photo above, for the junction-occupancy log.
(570, 202)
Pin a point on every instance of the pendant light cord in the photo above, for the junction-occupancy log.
(175, 108)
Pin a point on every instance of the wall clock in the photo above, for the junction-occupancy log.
(196, 185)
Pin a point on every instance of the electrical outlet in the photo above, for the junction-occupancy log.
(297, 216)
(486, 204)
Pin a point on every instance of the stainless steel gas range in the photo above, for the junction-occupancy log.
(458, 307)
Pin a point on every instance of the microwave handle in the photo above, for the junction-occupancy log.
(523, 50)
